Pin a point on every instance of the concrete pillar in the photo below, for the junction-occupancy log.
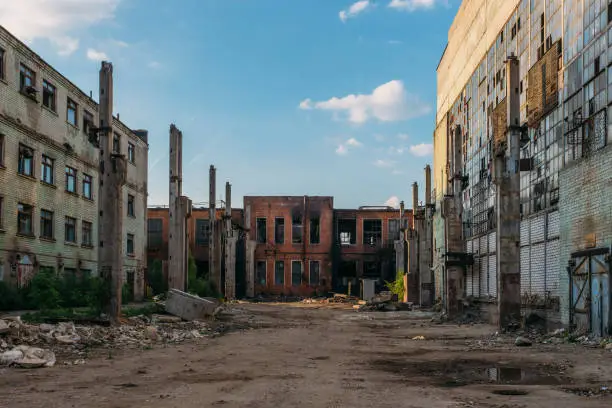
(415, 197)
(507, 206)
(250, 254)
(425, 236)
(230, 247)
(214, 273)
(178, 212)
(113, 172)
(427, 185)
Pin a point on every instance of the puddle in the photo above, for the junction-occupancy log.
(510, 392)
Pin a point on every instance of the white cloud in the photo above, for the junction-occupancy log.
(354, 9)
(412, 5)
(423, 149)
(154, 64)
(397, 150)
(95, 55)
(393, 201)
(388, 102)
(343, 148)
(402, 136)
(384, 163)
(57, 21)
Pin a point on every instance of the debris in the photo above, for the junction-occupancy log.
(609, 346)
(28, 357)
(4, 327)
(418, 338)
(522, 342)
(166, 319)
(188, 306)
(151, 333)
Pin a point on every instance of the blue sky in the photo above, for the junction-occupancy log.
(291, 97)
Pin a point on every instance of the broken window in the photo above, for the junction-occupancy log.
(348, 232)
(279, 230)
(297, 229)
(46, 224)
(88, 121)
(46, 169)
(49, 95)
(87, 229)
(116, 143)
(87, 180)
(26, 161)
(314, 273)
(296, 273)
(155, 233)
(315, 234)
(71, 113)
(261, 230)
(24, 219)
(27, 78)
(394, 229)
(372, 232)
(371, 269)
(260, 273)
(279, 273)
(130, 244)
(70, 230)
(130, 206)
(131, 153)
(71, 179)
(202, 232)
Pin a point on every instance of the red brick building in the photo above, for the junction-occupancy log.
(294, 240)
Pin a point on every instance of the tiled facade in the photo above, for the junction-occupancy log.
(49, 173)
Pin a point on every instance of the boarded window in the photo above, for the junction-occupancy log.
(296, 273)
(261, 231)
(279, 273)
(279, 230)
(260, 273)
(542, 86)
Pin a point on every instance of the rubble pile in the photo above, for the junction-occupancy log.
(35, 345)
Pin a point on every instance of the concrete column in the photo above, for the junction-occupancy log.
(250, 253)
(113, 173)
(178, 210)
(230, 247)
(507, 206)
(426, 245)
(415, 197)
(427, 185)
(214, 273)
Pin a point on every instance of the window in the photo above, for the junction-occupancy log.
(2, 74)
(371, 269)
(88, 121)
(49, 95)
(71, 114)
(202, 232)
(26, 161)
(46, 224)
(87, 181)
(130, 244)
(71, 175)
(279, 273)
(260, 230)
(260, 273)
(315, 234)
(347, 229)
(296, 229)
(87, 232)
(70, 229)
(314, 273)
(27, 78)
(1, 150)
(131, 153)
(372, 232)
(296, 273)
(155, 233)
(279, 230)
(24, 219)
(1, 212)
(116, 143)
(46, 169)
(394, 230)
(130, 206)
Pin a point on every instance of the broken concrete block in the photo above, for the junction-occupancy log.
(8, 357)
(4, 327)
(188, 306)
(522, 342)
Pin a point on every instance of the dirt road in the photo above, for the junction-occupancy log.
(323, 356)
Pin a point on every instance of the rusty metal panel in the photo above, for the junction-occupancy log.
(499, 118)
(543, 79)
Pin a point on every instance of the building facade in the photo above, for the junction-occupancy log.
(49, 174)
(563, 48)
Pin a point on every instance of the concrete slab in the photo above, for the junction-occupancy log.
(188, 306)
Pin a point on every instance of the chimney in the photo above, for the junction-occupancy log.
(427, 185)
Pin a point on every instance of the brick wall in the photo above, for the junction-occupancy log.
(585, 208)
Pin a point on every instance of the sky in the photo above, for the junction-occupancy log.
(283, 97)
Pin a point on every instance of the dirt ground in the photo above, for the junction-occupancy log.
(298, 355)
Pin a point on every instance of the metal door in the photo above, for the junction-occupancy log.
(590, 291)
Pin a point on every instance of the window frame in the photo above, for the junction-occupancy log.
(116, 148)
(278, 241)
(399, 229)
(1, 212)
(261, 239)
(130, 238)
(26, 73)
(157, 234)
(312, 228)
(70, 222)
(71, 105)
(88, 120)
(2, 149)
(47, 218)
(88, 181)
(131, 203)
(47, 164)
(296, 262)
(258, 273)
(202, 232)
(131, 152)
(49, 89)
(297, 239)
(310, 264)
(69, 175)
(369, 233)
(21, 160)
(279, 282)
(86, 233)
(2, 63)
(27, 211)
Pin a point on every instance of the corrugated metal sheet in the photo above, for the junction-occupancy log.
(525, 270)
(469, 284)
(493, 275)
(524, 232)
(469, 247)
(553, 224)
(552, 267)
(538, 225)
(492, 241)
(476, 277)
(484, 286)
(538, 269)
(483, 244)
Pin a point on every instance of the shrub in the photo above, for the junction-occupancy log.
(397, 286)
(155, 278)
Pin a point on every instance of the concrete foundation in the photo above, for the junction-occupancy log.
(189, 307)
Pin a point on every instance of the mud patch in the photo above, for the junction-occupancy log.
(510, 392)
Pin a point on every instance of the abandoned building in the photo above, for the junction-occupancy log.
(522, 161)
(50, 200)
(292, 245)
